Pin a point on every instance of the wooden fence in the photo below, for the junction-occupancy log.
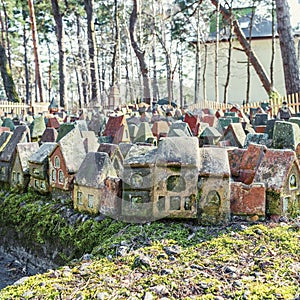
(293, 101)
(18, 108)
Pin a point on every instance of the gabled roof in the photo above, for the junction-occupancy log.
(210, 132)
(144, 133)
(19, 136)
(183, 126)
(236, 134)
(73, 150)
(82, 125)
(113, 125)
(64, 129)
(53, 122)
(95, 168)
(235, 157)
(49, 135)
(37, 127)
(183, 151)
(42, 153)
(25, 151)
(214, 162)
(194, 122)
(110, 149)
(275, 167)
(4, 138)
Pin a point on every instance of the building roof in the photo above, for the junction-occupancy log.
(110, 149)
(20, 135)
(214, 162)
(275, 167)
(183, 151)
(95, 168)
(113, 125)
(64, 129)
(4, 138)
(42, 153)
(72, 149)
(37, 127)
(50, 135)
(25, 151)
(179, 125)
(144, 133)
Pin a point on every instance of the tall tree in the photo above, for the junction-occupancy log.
(287, 47)
(89, 9)
(246, 47)
(58, 17)
(140, 54)
(8, 82)
(38, 77)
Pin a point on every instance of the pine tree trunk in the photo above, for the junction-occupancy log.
(287, 46)
(9, 86)
(35, 50)
(246, 47)
(139, 54)
(61, 52)
(89, 6)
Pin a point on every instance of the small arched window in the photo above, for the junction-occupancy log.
(60, 176)
(56, 162)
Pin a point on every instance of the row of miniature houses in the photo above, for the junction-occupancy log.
(142, 182)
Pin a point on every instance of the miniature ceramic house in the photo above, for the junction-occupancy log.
(279, 170)
(213, 186)
(176, 175)
(64, 162)
(38, 168)
(96, 186)
(235, 134)
(117, 129)
(115, 156)
(194, 123)
(144, 134)
(20, 175)
(138, 182)
(21, 134)
(37, 128)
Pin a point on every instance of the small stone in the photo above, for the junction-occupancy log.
(173, 250)
(160, 290)
(102, 296)
(148, 296)
(122, 250)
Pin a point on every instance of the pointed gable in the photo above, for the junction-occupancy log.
(144, 133)
(275, 168)
(214, 162)
(95, 168)
(21, 134)
(53, 122)
(194, 123)
(50, 135)
(72, 149)
(235, 157)
(113, 125)
(235, 134)
(25, 151)
(42, 153)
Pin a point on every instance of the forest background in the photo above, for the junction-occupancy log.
(82, 52)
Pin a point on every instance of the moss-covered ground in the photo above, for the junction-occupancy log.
(175, 260)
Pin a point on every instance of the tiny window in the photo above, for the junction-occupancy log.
(176, 183)
(36, 183)
(43, 185)
(135, 201)
(79, 198)
(61, 176)
(18, 178)
(53, 175)
(161, 204)
(90, 201)
(36, 171)
(175, 202)
(56, 162)
(293, 181)
(14, 177)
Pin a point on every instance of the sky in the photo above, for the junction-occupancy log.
(294, 12)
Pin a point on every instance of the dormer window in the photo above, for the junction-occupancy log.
(56, 162)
